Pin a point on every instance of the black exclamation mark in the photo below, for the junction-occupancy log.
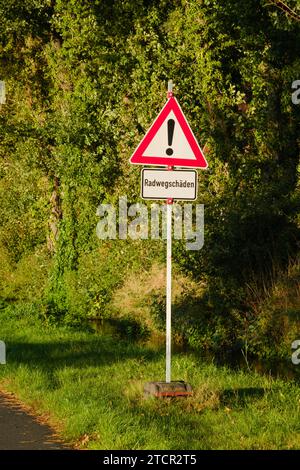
(171, 126)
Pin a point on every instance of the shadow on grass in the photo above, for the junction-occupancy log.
(241, 396)
(96, 351)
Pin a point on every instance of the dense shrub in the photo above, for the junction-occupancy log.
(84, 81)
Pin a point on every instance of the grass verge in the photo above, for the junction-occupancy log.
(91, 388)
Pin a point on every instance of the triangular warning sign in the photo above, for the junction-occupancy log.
(170, 141)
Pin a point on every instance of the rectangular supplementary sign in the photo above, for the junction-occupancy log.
(169, 184)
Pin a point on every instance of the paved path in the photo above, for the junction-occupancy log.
(19, 430)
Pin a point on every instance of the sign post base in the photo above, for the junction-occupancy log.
(168, 389)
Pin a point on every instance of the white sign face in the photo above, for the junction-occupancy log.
(167, 135)
(169, 184)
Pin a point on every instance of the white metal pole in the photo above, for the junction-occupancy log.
(169, 270)
(169, 292)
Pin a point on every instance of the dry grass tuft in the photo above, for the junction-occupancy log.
(204, 397)
(132, 299)
(134, 391)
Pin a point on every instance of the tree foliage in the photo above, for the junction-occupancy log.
(84, 81)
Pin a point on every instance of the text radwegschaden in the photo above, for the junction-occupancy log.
(169, 184)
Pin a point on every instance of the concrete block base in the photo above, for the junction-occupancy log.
(168, 389)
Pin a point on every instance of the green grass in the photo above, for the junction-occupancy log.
(91, 386)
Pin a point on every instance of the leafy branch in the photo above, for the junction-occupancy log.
(291, 13)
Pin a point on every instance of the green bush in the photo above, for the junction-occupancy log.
(84, 82)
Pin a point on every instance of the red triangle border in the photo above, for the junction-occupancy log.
(138, 158)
